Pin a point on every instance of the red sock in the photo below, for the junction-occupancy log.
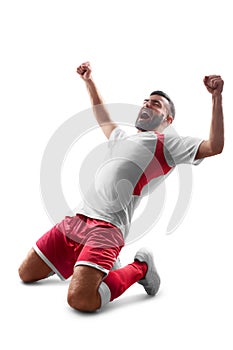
(121, 279)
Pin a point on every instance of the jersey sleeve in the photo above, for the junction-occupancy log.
(181, 150)
(116, 135)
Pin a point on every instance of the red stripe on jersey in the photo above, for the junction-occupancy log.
(157, 167)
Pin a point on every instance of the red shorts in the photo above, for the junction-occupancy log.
(80, 240)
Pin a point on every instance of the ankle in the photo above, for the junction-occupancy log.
(142, 265)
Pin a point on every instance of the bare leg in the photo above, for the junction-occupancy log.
(33, 268)
(83, 289)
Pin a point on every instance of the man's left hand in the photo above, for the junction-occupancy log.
(214, 84)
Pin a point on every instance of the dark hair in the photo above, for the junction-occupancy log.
(171, 104)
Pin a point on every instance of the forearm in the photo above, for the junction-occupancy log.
(100, 111)
(94, 94)
(216, 137)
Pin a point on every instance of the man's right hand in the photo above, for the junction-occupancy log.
(101, 113)
(84, 70)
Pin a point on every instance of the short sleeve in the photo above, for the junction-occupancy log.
(181, 150)
(117, 134)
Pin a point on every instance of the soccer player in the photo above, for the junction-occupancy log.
(86, 246)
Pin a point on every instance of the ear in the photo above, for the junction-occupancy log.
(169, 119)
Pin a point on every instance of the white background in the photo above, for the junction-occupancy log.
(134, 47)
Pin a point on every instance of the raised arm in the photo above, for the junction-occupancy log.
(100, 111)
(214, 145)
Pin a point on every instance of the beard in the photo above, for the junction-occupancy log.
(148, 120)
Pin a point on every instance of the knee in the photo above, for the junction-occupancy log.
(82, 301)
(24, 274)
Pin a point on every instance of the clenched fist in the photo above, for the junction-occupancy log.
(84, 70)
(214, 84)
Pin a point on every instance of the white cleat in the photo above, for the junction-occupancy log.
(151, 281)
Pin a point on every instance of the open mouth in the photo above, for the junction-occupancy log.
(145, 115)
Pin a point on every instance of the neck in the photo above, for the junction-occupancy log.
(159, 129)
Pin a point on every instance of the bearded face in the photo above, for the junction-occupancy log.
(148, 119)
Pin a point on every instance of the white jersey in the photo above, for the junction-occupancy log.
(134, 165)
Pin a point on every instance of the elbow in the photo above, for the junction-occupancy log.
(216, 146)
(220, 150)
(217, 150)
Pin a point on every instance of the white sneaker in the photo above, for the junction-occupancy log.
(151, 281)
